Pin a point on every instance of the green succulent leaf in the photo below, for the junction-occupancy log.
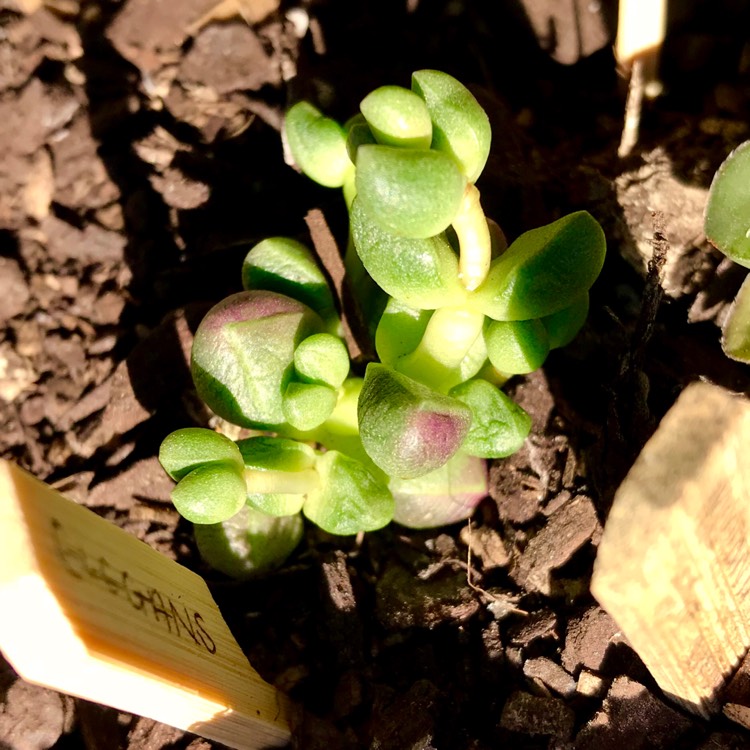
(307, 405)
(563, 326)
(413, 193)
(210, 493)
(248, 544)
(283, 265)
(727, 220)
(499, 426)
(407, 428)
(350, 499)
(421, 273)
(736, 332)
(358, 134)
(516, 347)
(318, 145)
(191, 447)
(446, 495)
(545, 270)
(397, 117)
(322, 359)
(340, 431)
(460, 127)
(243, 353)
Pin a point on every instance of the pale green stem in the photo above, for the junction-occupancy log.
(449, 336)
(340, 431)
(475, 246)
(492, 375)
(343, 419)
(262, 482)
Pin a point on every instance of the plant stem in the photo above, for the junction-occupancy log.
(263, 482)
(341, 430)
(474, 242)
(449, 336)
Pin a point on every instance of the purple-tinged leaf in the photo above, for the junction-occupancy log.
(407, 428)
(243, 352)
(447, 495)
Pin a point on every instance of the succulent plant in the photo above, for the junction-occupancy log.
(460, 313)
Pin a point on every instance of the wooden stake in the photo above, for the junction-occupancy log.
(641, 27)
(673, 566)
(90, 610)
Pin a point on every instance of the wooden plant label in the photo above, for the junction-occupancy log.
(90, 610)
(673, 566)
(640, 28)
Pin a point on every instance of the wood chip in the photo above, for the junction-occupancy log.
(516, 489)
(250, 11)
(26, 121)
(227, 115)
(147, 734)
(551, 674)
(566, 531)
(179, 190)
(409, 720)
(405, 602)
(571, 31)
(343, 630)
(590, 685)
(228, 57)
(87, 246)
(724, 741)
(533, 715)
(487, 545)
(21, 6)
(14, 292)
(32, 717)
(39, 187)
(355, 326)
(538, 625)
(653, 186)
(161, 361)
(142, 480)
(631, 717)
(82, 181)
(587, 639)
(150, 33)
(736, 695)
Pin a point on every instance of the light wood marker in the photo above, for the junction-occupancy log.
(673, 566)
(88, 609)
(641, 27)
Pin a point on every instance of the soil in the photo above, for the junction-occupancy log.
(140, 158)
